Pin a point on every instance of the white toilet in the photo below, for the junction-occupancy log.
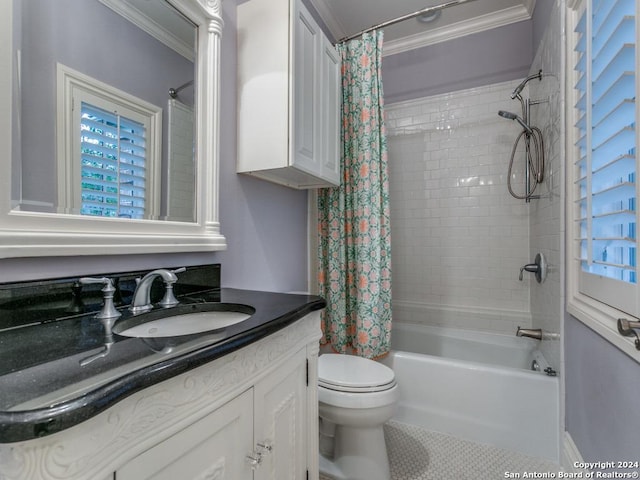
(356, 397)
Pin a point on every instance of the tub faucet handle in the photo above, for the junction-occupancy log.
(538, 267)
(529, 267)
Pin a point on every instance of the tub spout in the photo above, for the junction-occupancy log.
(529, 332)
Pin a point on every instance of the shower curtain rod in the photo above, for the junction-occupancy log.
(433, 8)
(173, 92)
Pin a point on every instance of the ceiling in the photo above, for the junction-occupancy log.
(346, 17)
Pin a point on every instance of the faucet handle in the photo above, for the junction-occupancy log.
(169, 299)
(108, 311)
(529, 267)
(538, 267)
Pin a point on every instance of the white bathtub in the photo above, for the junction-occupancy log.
(476, 386)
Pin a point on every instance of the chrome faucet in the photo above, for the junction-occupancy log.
(142, 296)
(535, 333)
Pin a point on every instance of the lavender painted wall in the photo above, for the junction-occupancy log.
(602, 392)
(476, 60)
(265, 224)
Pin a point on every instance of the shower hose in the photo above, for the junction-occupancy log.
(534, 152)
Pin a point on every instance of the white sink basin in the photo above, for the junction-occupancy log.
(184, 320)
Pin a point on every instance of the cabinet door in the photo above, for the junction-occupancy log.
(280, 415)
(306, 121)
(213, 448)
(330, 113)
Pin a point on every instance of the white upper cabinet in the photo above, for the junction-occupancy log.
(330, 124)
(288, 96)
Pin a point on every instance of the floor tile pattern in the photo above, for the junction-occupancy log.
(418, 454)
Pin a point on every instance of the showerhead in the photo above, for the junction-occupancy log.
(513, 116)
(519, 88)
(508, 115)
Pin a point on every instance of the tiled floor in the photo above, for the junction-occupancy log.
(418, 454)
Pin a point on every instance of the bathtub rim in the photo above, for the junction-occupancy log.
(489, 338)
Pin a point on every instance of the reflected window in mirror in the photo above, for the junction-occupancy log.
(113, 164)
(137, 48)
(109, 149)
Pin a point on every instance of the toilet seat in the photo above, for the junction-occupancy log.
(351, 374)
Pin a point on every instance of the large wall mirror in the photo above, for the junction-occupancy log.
(112, 141)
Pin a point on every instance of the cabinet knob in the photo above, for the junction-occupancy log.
(254, 460)
(265, 447)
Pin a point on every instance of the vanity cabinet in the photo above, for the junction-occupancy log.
(257, 435)
(212, 448)
(288, 96)
(202, 424)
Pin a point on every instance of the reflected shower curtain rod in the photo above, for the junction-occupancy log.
(173, 92)
(425, 10)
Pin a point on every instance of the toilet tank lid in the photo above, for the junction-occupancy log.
(352, 371)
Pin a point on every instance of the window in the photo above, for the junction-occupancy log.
(113, 163)
(110, 157)
(604, 161)
(606, 152)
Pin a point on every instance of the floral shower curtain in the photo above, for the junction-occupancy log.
(354, 230)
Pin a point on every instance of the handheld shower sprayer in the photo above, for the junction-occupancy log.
(533, 143)
(513, 116)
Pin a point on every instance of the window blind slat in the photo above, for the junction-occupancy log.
(617, 30)
(610, 12)
(606, 75)
(581, 64)
(100, 162)
(132, 159)
(619, 116)
(91, 125)
(581, 26)
(106, 145)
(617, 93)
(620, 143)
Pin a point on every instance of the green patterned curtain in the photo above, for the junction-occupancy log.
(354, 247)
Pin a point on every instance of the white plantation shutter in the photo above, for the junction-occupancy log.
(109, 149)
(113, 164)
(606, 161)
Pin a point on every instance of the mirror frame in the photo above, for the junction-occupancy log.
(33, 234)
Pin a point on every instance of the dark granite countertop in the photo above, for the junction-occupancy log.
(44, 389)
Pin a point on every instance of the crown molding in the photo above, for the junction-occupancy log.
(530, 5)
(500, 18)
(460, 29)
(151, 27)
(331, 21)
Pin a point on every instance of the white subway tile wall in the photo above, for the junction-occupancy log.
(458, 237)
(181, 168)
(546, 220)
